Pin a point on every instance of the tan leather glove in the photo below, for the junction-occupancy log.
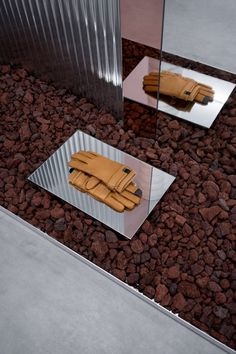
(176, 85)
(114, 175)
(127, 199)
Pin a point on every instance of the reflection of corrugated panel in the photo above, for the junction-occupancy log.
(76, 43)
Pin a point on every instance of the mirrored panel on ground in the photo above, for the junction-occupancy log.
(53, 174)
(194, 112)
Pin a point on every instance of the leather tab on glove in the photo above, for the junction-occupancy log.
(176, 85)
(127, 199)
(114, 175)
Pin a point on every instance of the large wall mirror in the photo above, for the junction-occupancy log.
(194, 32)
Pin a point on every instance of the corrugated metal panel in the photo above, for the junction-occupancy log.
(76, 43)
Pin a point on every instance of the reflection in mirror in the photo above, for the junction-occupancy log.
(204, 32)
(141, 28)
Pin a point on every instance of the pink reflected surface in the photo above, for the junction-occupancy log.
(141, 21)
(133, 84)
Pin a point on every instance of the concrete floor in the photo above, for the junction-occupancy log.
(54, 301)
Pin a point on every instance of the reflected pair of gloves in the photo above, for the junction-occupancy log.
(107, 181)
(178, 86)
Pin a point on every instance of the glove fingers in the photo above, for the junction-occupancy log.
(206, 86)
(131, 197)
(92, 182)
(203, 99)
(83, 156)
(207, 93)
(150, 88)
(132, 187)
(114, 204)
(81, 166)
(126, 202)
(79, 180)
(150, 81)
(103, 194)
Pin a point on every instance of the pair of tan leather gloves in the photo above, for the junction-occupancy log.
(106, 180)
(178, 86)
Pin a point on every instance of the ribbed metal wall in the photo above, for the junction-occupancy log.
(76, 43)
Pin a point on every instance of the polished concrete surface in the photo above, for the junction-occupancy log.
(54, 301)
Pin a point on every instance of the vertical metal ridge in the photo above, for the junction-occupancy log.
(77, 43)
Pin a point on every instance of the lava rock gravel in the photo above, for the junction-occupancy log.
(184, 254)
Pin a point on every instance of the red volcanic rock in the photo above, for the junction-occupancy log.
(28, 97)
(60, 224)
(213, 286)
(232, 179)
(202, 282)
(5, 69)
(42, 214)
(133, 278)
(111, 236)
(100, 249)
(196, 269)
(220, 298)
(179, 302)
(107, 119)
(24, 131)
(188, 289)
(161, 292)
(174, 124)
(57, 213)
(210, 213)
(120, 274)
(149, 291)
(121, 260)
(180, 220)
(152, 240)
(136, 246)
(225, 284)
(220, 312)
(211, 189)
(36, 200)
(4, 98)
(173, 272)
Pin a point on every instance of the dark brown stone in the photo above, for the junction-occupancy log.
(179, 302)
(173, 272)
(188, 289)
(57, 213)
(100, 249)
(210, 213)
(111, 236)
(213, 286)
(136, 246)
(161, 292)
